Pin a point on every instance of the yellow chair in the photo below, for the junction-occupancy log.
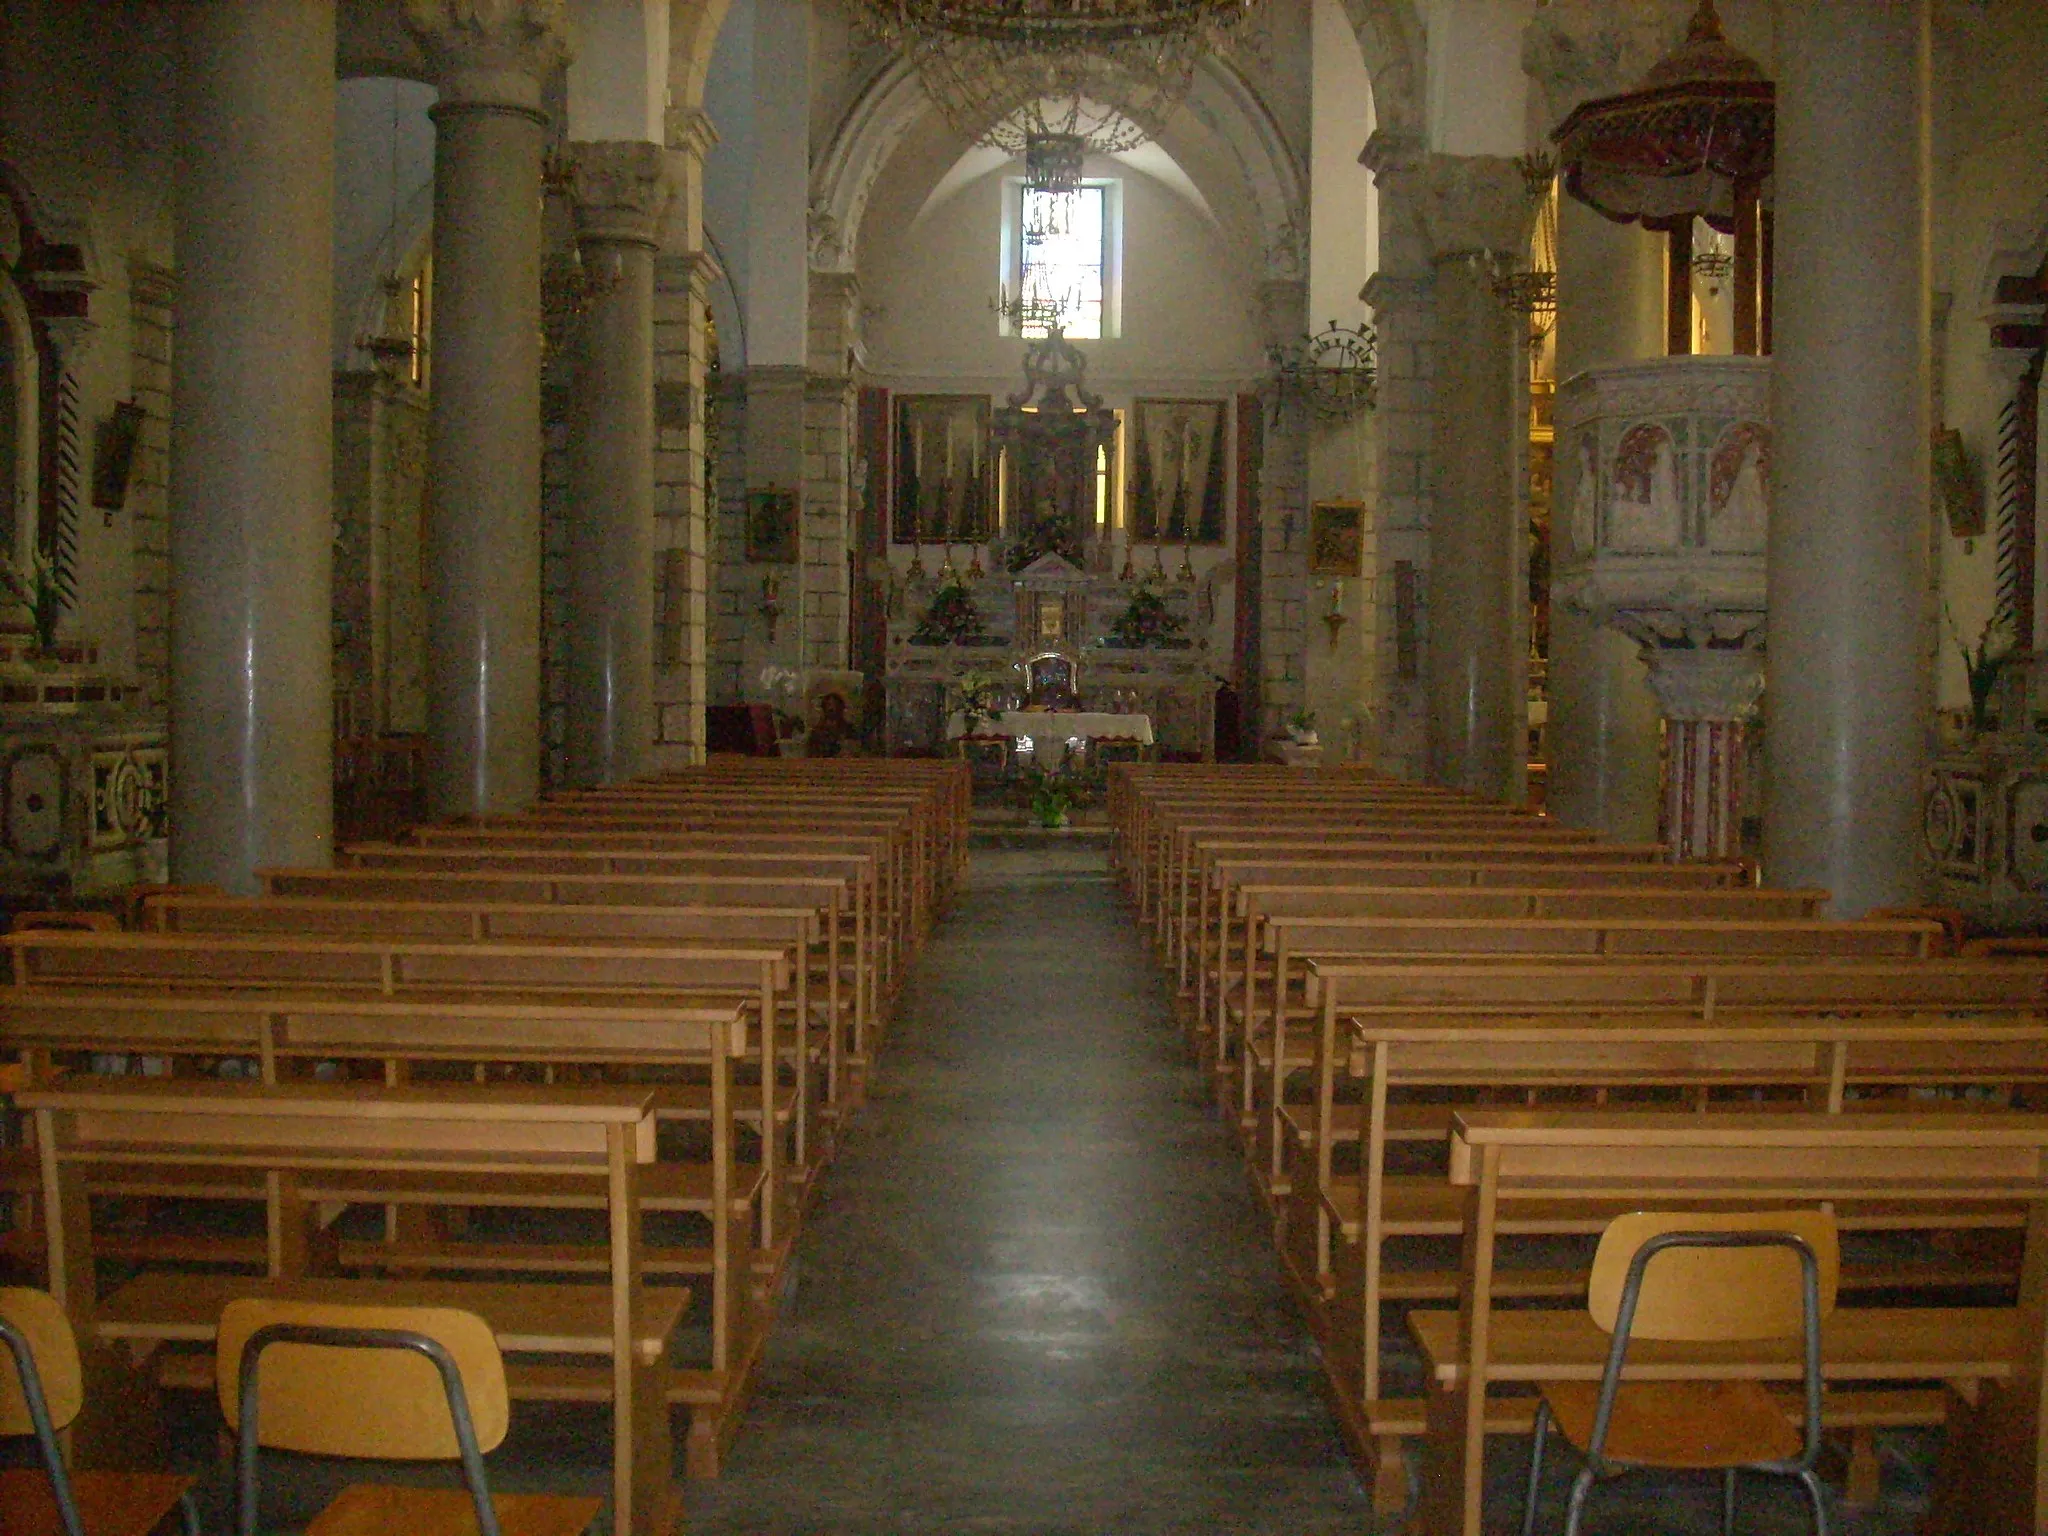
(383, 1383)
(1689, 1277)
(42, 1389)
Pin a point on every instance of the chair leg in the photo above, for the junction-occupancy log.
(1728, 1502)
(1536, 1443)
(1817, 1495)
(1576, 1509)
(188, 1512)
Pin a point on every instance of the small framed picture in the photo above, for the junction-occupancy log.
(771, 527)
(1336, 538)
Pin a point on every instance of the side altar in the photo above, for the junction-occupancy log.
(1129, 644)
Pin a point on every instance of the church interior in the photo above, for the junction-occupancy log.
(780, 766)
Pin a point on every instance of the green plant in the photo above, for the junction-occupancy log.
(1302, 720)
(1982, 667)
(979, 693)
(46, 590)
(1050, 801)
(952, 619)
(1146, 620)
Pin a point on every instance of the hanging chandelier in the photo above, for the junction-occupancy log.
(1107, 73)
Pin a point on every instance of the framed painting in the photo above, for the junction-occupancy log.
(945, 470)
(771, 527)
(1177, 476)
(1336, 538)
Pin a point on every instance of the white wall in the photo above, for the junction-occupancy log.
(729, 174)
(383, 197)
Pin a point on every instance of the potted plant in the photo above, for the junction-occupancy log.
(1301, 728)
(1981, 667)
(1050, 802)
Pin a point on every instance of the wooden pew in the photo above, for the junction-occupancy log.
(874, 936)
(1270, 1047)
(306, 1139)
(405, 1041)
(1993, 1354)
(847, 942)
(1338, 1226)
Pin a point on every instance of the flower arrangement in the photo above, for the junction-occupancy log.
(952, 618)
(1301, 725)
(1146, 620)
(1051, 799)
(1995, 647)
(980, 698)
(780, 685)
(45, 590)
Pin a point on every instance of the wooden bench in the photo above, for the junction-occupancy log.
(1338, 1227)
(1990, 1354)
(304, 1138)
(403, 1041)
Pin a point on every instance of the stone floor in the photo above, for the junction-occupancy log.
(1036, 1295)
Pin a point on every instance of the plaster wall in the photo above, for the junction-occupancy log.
(1991, 197)
(383, 198)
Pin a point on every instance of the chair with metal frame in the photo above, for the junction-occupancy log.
(381, 1383)
(41, 1396)
(1725, 1277)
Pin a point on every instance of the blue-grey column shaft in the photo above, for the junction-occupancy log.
(252, 441)
(484, 450)
(1848, 693)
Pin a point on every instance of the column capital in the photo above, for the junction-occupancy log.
(1577, 50)
(690, 131)
(1697, 683)
(618, 189)
(490, 53)
(1475, 205)
(1391, 151)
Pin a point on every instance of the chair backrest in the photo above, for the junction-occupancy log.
(1714, 1294)
(383, 1403)
(38, 1318)
(64, 922)
(1050, 677)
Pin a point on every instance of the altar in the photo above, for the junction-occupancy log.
(1049, 735)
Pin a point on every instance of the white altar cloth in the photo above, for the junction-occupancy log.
(1050, 730)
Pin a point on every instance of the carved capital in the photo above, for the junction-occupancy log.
(1391, 151)
(1391, 295)
(1475, 205)
(690, 130)
(619, 189)
(1698, 683)
(1577, 50)
(490, 53)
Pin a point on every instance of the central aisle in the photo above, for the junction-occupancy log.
(1036, 1294)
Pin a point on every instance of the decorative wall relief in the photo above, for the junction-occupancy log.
(1177, 474)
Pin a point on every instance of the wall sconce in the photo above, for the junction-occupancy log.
(768, 607)
(1334, 616)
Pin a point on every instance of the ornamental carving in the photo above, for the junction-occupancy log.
(1475, 205)
(491, 52)
(619, 189)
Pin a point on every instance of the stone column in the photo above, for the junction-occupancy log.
(1603, 732)
(1705, 696)
(1477, 212)
(484, 446)
(828, 439)
(619, 187)
(1845, 736)
(251, 441)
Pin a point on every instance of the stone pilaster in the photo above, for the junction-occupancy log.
(1476, 210)
(1403, 299)
(726, 462)
(1283, 511)
(828, 456)
(489, 59)
(684, 481)
(619, 190)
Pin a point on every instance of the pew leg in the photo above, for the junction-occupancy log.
(1860, 1474)
(1392, 1480)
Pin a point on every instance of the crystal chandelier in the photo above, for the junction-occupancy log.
(1107, 73)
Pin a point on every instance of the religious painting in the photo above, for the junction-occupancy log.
(1644, 512)
(945, 470)
(1336, 538)
(1739, 488)
(771, 527)
(1177, 472)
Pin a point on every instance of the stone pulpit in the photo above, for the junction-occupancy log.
(1663, 482)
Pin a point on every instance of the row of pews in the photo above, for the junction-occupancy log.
(577, 1070)
(1456, 1040)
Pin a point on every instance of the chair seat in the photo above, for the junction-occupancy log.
(110, 1503)
(379, 1509)
(1680, 1424)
